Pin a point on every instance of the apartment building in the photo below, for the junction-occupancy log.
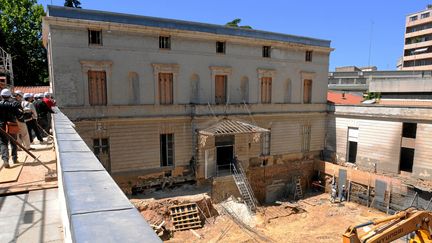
(167, 98)
(418, 41)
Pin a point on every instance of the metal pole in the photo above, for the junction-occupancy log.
(12, 139)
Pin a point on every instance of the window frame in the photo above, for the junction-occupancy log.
(90, 43)
(100, 148)
(309, 91)
(425, 15)
(169, 152)
(308, 56)
(223, 99)
(266, 90)
(266, 51)
(306, 137)
(94, 87)
(164, 42)
(413, 18)
(223, 44)
(162, 89)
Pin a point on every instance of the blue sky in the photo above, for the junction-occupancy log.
(348, 24)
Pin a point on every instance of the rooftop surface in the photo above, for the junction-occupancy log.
(338, 98)
(102, 16)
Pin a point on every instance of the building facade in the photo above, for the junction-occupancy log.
(391, 134)
(418, 41)
(171, 98)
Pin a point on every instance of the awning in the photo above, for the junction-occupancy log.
(230, 127)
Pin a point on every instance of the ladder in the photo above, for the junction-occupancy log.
(298, 193)
(244, 187)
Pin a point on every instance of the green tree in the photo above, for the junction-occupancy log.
(235, 23)
(21, 27)
(72, 3)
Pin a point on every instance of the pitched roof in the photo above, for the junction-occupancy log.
(344, 98)
(32, 89)
(103, 16)
(229, 127)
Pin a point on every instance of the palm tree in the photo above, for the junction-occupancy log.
(72, 3)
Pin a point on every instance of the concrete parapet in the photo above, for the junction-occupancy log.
(93, 207)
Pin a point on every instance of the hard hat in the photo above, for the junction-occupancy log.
(5, 93)
(19, 92)
(27, 95)
(46, 94)
(39, 95)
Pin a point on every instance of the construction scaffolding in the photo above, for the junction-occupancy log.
(6, 70)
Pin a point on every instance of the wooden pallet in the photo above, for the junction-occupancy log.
(185, 216)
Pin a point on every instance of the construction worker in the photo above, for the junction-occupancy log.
(333, 191)
(30, 117)
(50, 103)
(42, 111)
(9, 112)
(342, 197)
(23, 135)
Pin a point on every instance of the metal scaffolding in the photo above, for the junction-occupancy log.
(6, 67)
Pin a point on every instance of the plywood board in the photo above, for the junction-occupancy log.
(10, 174)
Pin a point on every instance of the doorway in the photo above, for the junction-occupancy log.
(352, 144)
(224, 151)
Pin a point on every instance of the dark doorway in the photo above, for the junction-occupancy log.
(406, 159)
(224, 151)
(352, 151)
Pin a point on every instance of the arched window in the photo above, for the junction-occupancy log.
(134, 89)
(287, 91)
(194, 89)
(244, 89)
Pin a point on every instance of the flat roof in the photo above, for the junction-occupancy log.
(96, 15)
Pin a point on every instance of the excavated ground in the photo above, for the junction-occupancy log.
(313, 219)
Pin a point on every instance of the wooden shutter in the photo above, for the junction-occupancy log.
(165, 88)
(266, 89)
(307, 91)
(97, 87)
(220, 89)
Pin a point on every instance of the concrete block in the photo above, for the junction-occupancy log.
(79, 161)
(93, 191)
(72, 146)
(112, 227)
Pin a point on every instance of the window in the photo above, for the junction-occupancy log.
(101, 149)
(164, 42)
(308, 57)
(413, 18)
(409, 130)
(166, 149)
(97, 87)
(307, 91)
(165, 88)
(265, 143)
(425, 15)
(352, 144)
(266, 51)
(220, 47)
(406, 159)
(266, 90)
(306, 137)
(95, 37)
(220, 89)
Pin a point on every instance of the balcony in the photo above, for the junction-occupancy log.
(418, 45)
(418, 57)
(419, 21)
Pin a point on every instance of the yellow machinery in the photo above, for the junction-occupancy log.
(411, 221)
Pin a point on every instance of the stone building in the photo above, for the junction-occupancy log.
(166, 98)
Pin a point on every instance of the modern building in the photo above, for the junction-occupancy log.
(158, 99)
(418, 41)
(355, 80)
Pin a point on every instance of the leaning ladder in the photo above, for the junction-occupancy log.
(298, 193)
(244, 187)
